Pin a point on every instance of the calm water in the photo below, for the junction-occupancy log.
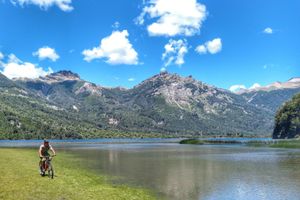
(200, 172)
(186, 172)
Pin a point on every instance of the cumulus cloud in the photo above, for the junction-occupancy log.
(174, 52)
(64, 5)
(163, 69)
(46, 53)
(268, 30)
(15, 68)
(201, 49)
(173, 17)
(214, 46)
(236, 88)
(116, 48)
(255, 85)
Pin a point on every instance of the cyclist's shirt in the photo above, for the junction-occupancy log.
(44, 150)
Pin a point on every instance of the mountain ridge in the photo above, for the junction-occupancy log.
(162, 104)
(290, 84)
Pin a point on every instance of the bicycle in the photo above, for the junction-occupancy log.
(47, 166)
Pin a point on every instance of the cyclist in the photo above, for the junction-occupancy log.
(43, 152)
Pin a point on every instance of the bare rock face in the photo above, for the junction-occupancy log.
(188, 93)
(89, 88)
(60, 77)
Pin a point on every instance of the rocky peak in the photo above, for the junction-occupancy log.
(66, 74)
(164, 79)
(182, 92)
(60, 76)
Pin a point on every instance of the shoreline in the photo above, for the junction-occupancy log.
(272, 143)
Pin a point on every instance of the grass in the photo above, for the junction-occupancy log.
(19, 179)
(191, 141)
(201, 142)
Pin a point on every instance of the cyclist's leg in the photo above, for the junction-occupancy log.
(41, 165)
(46, 154)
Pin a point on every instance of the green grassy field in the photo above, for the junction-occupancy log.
(19, 179)
(203, 142)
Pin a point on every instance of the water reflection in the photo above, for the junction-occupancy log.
(200, 172)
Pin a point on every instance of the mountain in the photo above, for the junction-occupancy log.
(165, 104)
(290, 84)
(287, 121)
(24, 114)
(272, 96)
(180, 104)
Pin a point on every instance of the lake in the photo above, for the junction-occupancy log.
(183, 172)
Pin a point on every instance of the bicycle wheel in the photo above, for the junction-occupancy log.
(51, 172)
(41, 169)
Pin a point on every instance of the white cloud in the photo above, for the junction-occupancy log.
(255, 85)
(214, 46)
(116, 25)
(236, 88)
(268, 30)
(131, 79)
(12, 58)
(174, 52)
(64, 5)
(116, 48)
(163, 69)
(15, 68)
(201, 49)
(173, 17)
(46, 52)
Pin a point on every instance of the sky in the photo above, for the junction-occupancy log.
(231, 44)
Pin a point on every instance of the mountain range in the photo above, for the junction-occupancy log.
(62, 105)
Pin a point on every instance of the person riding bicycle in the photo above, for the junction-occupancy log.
(43, 152)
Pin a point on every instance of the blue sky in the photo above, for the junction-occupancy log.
(123, 42)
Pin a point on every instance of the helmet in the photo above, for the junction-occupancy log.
(46, 141)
